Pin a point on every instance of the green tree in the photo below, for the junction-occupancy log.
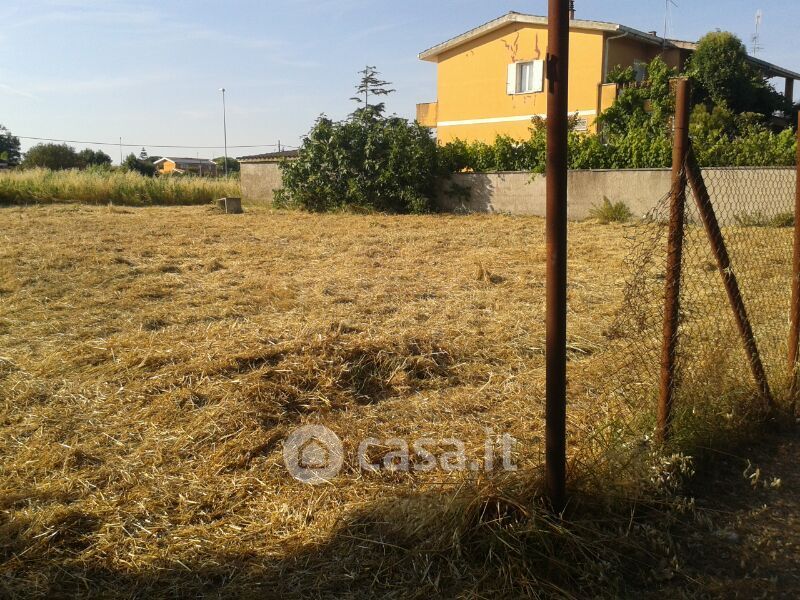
(137, 165)
(9, 147)
(93, 158)
(371, 85)
(55, 157)
(366, 162)
(233, 164)
(383, 164)
(636, 128)
(722, 138)
(723, 75)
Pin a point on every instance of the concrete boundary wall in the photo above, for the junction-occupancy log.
(259, 182)
(523, 193)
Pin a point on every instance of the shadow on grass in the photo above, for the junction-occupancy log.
(471, 543)
(490, 541)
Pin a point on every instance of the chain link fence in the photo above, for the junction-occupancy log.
(714, 375)
(755, 210)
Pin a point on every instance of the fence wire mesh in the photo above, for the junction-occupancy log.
(755, 211)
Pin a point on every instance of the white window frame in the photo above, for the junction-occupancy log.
(514, 84)
(524, 78)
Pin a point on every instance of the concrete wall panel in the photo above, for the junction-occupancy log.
(259, 182)
(744, 191)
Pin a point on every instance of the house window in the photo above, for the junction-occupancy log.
(640, 70)
(526, 77)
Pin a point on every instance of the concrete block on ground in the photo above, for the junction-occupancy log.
(230, 206)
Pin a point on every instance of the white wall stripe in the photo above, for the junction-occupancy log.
(580, 113)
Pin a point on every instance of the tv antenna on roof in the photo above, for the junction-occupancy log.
(757, 47)
(668, 4)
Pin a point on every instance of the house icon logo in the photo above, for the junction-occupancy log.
(313, 454)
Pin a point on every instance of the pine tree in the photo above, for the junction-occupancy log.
(371, 85)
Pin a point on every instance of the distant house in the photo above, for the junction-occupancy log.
(181, 166)
(261, 175)
(3, 165)
(492, 79)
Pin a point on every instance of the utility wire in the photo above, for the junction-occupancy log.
(41, 139)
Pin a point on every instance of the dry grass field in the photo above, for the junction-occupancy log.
(92, 186)
(153, 360)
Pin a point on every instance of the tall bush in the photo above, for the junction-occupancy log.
(134, 164)
(52, 156)
(722, 138)
(722, 74)
(367, 162)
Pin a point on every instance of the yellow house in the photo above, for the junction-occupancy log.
(182, 166)
(491, 80)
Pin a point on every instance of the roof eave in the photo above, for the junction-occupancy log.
(431, 54)
(645, 37)
(771, 70)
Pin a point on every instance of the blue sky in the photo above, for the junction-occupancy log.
(150, 71)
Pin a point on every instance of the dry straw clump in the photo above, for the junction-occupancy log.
(153, 361)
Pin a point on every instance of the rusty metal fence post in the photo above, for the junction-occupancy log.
(794, 315)
(556, 237)
(674, 256)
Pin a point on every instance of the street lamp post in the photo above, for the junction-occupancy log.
(225, 129)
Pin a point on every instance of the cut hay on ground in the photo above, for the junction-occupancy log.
(153, 360)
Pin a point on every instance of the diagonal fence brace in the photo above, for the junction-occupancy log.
(700, 191)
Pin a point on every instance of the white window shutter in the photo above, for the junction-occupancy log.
(538, 76)
(511, 82)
